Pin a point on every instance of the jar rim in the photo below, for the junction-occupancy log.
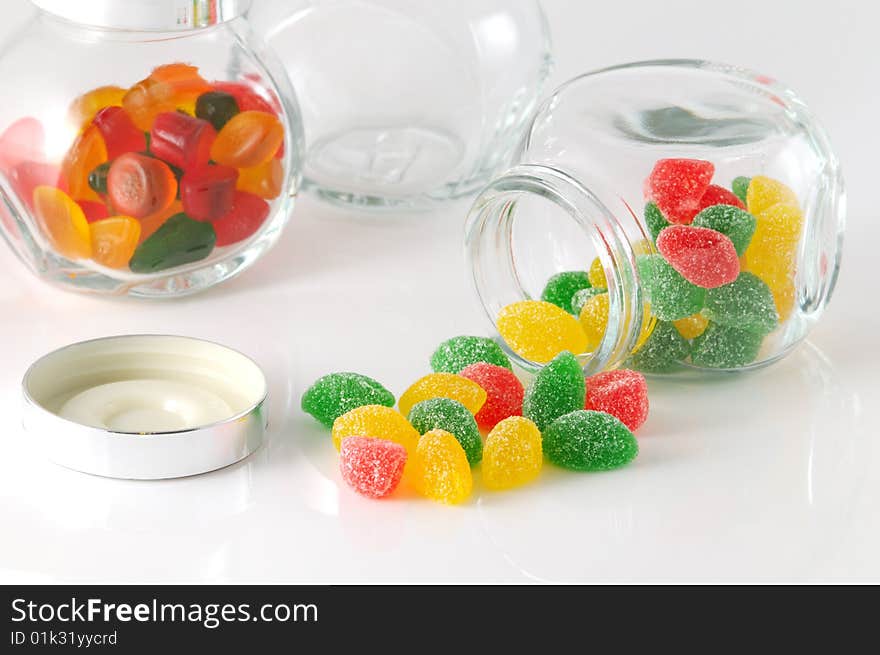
(146, 16)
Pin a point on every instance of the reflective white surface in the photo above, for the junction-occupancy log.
(768, 476)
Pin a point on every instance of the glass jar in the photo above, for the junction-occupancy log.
(152, 148)
(665, 216)
(408, 102)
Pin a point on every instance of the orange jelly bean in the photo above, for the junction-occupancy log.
(264, 180)
(114, 240)
(153, 222)
(83, 109)
(87, 152)
(63, 222)
(249, 139)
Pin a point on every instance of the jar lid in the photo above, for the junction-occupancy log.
(150, 15)
(145, 407)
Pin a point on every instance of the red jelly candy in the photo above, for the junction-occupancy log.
(718, 195)
(94, 211)
(504, 393)
(139, 185)
(23, 140)
(372, 467)
(182, 140)
(621, 393)
(207, 192)
(246, 97)
(120, 134)
(703, 256)
(677, 185)
(248, 213)
(28, 175)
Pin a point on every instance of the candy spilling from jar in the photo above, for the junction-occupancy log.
(159, 174)
(718, 276)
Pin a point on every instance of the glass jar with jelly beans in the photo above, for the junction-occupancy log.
(665, 216)
(148, 148)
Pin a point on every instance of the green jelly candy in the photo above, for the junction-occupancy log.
(452, 416)
(558, 388)
(671, 296)
(663, 352)
(740, 187)
(337, 393)
(216, 107)
(560, 288)
(655, 220)
(458, 353)
(98, 177)
(737, 224)
(722, 346)
(585, 440)
(746, 304)
(180, 240)
(581, 297)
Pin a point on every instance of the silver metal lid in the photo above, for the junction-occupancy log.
(146, 15)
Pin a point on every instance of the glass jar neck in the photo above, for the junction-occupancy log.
(145, 15)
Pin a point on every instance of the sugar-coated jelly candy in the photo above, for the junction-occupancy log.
(372, 467)
(264, 180)
(93, 211)
(249, 139)
(87, 152)
(456, 353)
(98, 178)
(377, 422)
(513, 454)
(120, 134)
(722, 346)
(677, 185)
(181, 140)
(583, 296)
(587, 440)
(593, 318)
(746, 303)
(443, 385)
(179, 240)
(784, 292)
(740, 186)
(654, 220)
(63, 222)
(439, 468)
(735, 223)
(691, 327)
(504, 393)
(84, 107)
(207, 192)
(557, 389)
(247, 215)
(538, 330)
(702, 256)
(622, 393)
(452, 416)
(561, 288)
(718, 195)
(596, 274)
(139, 185)
(334, 394)
(23, 140)
(216, 107)
(663, 352)
(151, 223)
(670, 295)
(773, 250)
(764, 192)
(114, 240)
(28, 175)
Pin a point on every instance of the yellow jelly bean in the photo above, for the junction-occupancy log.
(114, 240)
(63, 222)
(596, 274)
(594, 320)
(377, 422)
(512, 455)
(764, 192)
(538, 330)
(443, 385)
(439, 468)
(692, 326)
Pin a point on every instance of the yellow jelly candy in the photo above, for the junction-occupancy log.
(783, 296)
(264, 180)
(692, 326)
(63, 222)
(594, 320)
(443, 385)
(772, 252)
(648, 323)
(377, 422)
(439, 468)
(596, 275)
(764, 192)
(86, 153)
(114, 240)
(512, 455)
(539, 330)
(83, 109)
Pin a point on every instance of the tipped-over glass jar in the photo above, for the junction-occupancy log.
(664, 216)
(408, 102)
(151, 149)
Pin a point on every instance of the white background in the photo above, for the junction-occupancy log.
(773, 476)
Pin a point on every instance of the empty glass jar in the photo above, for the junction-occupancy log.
(151, 149)
(665, 216)
(407, 102)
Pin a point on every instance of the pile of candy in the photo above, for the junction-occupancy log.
(718, 277)
(436, 435)
(159, 174)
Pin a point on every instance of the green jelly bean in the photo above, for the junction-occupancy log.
(98, 177)
(722, 346)
(216, 107)
(581, 297)
(671, 296)
(180, 240)
(746, 304)
(585, 440)
(737, 224)
(561, 288)
(740, 187)
(663, 352)
(335, 394)
(452, 416)
(558, 388)
(655, 220)
(458, 353)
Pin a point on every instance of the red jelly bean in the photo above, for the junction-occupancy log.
(718, 195)
(207, 192)
(94, 211)
(119, 132)
(621, 393)
(702, 256)
(28, 175)
(248, 213)
(677, 185)
(24, 140)
(504, 393)
(139, 185)
(372, 467)
(182, 140)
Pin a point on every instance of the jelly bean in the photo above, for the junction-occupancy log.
(746, 303)
(557, 389)
(207, 192)
(182, 140)
(63, 223)
(677, 186)
(98, 178)
(670, 295)
(560, 288)
(443, 385)
(138, 185)
(247, 215)
(691, 327)
(119, 132)
(377, 422)
(504, 393)
(87, 152)
(702, 256)
(24, 140)
(654, 220)
(513, 454)
(735, 223)
(93, 211)
(764, 192)
(28, 175)
(83, 109)
(740, 186)
(114, 240)
(594, 319)
(718, 195)
(538, 330)
(151, 223)
(179, 240)
(216, 107)
(439, 468)
(264, 180)
(456, 353)
(662, 352)
(583, 296)
(372, 467)
(722, 346)
(334, 394)
(586, 440)
(249, 139)
(622, 393)
(596, 275)
(452, 416)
